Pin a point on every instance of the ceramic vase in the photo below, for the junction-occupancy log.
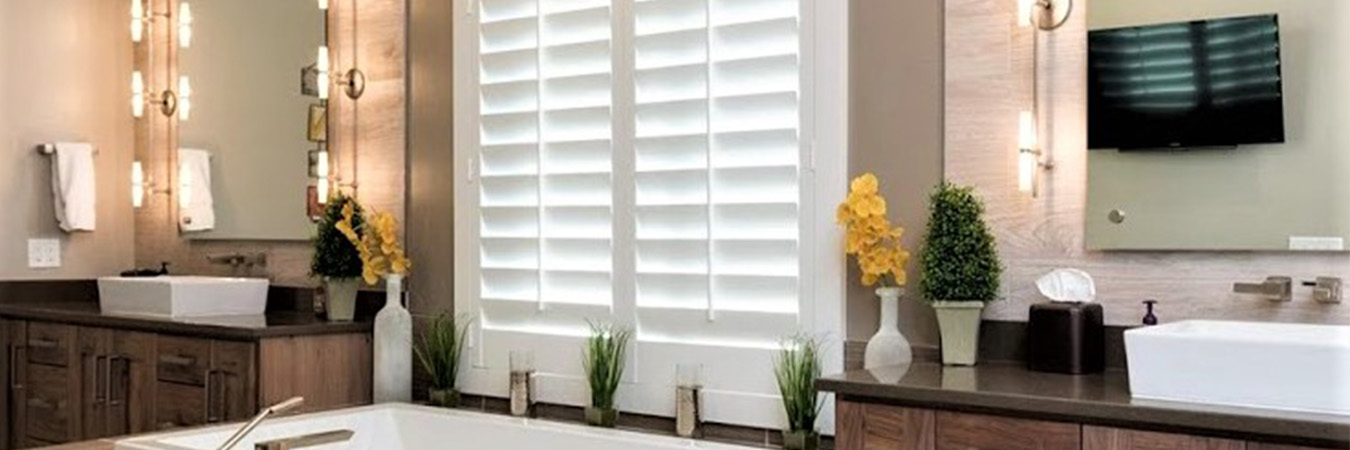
(341, 295)
(393, 346)
(888, 347)
(959, 325)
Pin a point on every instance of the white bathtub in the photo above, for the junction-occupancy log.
(408, 427)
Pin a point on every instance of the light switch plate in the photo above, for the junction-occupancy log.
(1316, 244)
(44, 253)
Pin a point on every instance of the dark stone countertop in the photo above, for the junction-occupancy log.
(75, 303)
(1101, 399)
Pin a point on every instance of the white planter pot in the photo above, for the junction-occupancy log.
(341, 295)
(959, 323)
(888, 347)
(393, 347)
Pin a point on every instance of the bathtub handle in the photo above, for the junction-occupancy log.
(306, 441)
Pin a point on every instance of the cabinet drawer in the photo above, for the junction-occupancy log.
(1103, 438)
(48, 404)
(977, 432)
(49, 343)
(179, 406)
(183, 360)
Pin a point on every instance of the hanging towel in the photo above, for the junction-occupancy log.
(73, 186)
(196, 207)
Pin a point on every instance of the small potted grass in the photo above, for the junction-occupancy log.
(604, 361)
(797, 368)
(439, 351)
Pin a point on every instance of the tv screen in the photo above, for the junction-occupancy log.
(1211, 83)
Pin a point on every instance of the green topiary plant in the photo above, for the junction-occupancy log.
(960, 258)
(335, 257)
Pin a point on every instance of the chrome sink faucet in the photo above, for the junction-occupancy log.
(1275, 288)
(1327, 290)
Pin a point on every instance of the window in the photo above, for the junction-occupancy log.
(645, 162)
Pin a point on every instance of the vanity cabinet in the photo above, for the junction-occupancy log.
(69, 383)
(874, 426)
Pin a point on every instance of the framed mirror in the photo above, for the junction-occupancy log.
(256, 112)
(1218, 125)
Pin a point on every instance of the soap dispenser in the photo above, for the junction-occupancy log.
(1149, 318)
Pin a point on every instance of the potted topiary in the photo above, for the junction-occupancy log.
(604, 362)
(336, 260)
(439, 350)
(796, 369)
(960, 268)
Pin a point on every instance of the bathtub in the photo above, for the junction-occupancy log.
(396, 426)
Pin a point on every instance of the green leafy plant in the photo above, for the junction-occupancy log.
(440, 348)
(604, 360)
(797, 368)
(960, 257)
(335, 257)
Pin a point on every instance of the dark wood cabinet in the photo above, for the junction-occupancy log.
(68, 383)
(862, 426)
(1103, 438)
(978, 432)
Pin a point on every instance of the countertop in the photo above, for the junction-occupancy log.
(273, 324)
(1100, 399)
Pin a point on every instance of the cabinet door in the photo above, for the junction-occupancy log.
(51, 403)
(978, 432)
(12, 332)
(131, 377)
(94, 377)
(1103, 438)
(863, 426)
(234, 386)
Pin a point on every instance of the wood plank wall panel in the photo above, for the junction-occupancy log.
(367, 33)
(987, 83)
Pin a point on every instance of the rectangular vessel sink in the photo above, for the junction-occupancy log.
(1283, 366)
(182, 297)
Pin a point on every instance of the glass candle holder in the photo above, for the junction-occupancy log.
(688, 399)
(522, 383)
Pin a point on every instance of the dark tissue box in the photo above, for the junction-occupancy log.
(1066, 338)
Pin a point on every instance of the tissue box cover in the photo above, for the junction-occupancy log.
(1066, 338)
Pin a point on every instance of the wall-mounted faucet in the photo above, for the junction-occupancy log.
(1326, 289)
(237, 260)
(1275, 288)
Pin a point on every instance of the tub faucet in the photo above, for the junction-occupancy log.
(258, 419)
(1275, 288)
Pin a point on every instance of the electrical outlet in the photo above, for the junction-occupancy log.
(44, 253)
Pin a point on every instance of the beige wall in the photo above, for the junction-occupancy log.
(986, 72)
(65, 75)
(1254, 197)
(895, 130)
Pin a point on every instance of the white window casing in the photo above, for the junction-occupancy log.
(669, 165)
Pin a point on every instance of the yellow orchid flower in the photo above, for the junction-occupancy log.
(869, 236)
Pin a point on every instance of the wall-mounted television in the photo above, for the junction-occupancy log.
(1208, 83)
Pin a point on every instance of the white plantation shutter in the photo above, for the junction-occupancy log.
(635, 161)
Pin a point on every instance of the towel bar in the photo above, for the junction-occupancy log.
(50, 149)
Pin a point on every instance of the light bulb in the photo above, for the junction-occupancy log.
(1024, 12)
(1026, 134)
(184, 186)
(321, 166)
(1027, 156)
(137, 20)
(185, 25)
(137, 94)
(323, 5)
(323, 67)
(137, 184)
(184, 99)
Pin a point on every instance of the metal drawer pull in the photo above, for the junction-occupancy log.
(306, 441)
(177, 360)
(14, 367)
(43, 343)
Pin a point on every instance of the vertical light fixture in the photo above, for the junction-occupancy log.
(185, 182)
(323, 5)
(137, 184)
(185, 25)
(184, 99)
(324, 68)
(137, 20)
(1024, 12)
(137, 94)
(1028, 157)
(324, 182)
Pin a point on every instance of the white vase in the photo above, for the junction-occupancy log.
(393, 346)
(888, 347)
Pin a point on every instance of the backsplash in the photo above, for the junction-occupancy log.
(987, 82)
(377, 139)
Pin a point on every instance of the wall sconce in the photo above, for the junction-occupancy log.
(142, 184)
(170, 103)
(353, 81)
(185, 25)
(323, 5)
(325, 178)
(1044, 14)
(185, 183)
(1030, 163)
(137, 20)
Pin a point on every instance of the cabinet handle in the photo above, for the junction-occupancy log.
(14, 367)
(43, 343)
(107, 379)
(36, 402)
(211, 416)
(94, 381)
(178, 360)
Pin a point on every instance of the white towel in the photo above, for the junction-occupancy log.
(73, 186)
(196, 206)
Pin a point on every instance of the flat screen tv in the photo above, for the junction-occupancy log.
(1209, 83)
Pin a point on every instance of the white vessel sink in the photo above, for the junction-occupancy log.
(182, 297)
(1262, 365)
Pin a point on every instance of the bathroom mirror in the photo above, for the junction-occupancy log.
(255, 115)
(1174, 165)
